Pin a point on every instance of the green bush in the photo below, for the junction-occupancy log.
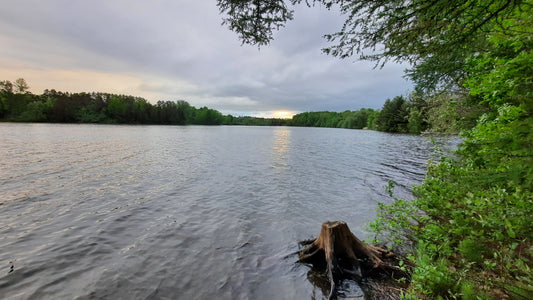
(472, 250)
(432, 276)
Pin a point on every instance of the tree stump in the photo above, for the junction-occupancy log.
(343, 255)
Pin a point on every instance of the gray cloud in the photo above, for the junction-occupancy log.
(179, 50)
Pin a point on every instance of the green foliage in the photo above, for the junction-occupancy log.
(393, 115)
(471, 249)
(87, 115)
(54, 106)
(470, 292)
(372, 119)
(413, 31)
(359, 119)
(255, 121)
(442, 112)
(436, 113)
(4, 107)
(170, 112)
(504, 72)
(452, 113)
(206, 116)
(502, 146)
(478, 207)
(396, 223)
(255, 21)
(471, 214)
(116, 109)
(415, 121)
(35, 112)
(521, 291)
(432, 278)
(406, 116)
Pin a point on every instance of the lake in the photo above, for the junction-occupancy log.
(185, 212)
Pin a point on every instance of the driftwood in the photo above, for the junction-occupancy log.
(343, 255)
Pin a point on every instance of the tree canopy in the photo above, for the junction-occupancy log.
(403, 29)
(436, 37)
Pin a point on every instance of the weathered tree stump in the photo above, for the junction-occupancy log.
(343, 255)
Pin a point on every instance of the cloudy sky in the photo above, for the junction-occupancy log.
(178, 49)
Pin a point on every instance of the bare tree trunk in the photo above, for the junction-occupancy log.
(344, 255)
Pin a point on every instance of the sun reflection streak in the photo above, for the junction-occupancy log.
(280, 148)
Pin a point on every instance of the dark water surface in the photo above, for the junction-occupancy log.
(155, 212)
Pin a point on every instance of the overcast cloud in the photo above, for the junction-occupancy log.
(170, 50)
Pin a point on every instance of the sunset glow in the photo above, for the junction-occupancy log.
(282, 114)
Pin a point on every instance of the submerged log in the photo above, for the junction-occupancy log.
(343, 255)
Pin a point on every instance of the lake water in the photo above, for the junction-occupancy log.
(194, 212)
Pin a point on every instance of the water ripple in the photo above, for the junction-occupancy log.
(154, 212)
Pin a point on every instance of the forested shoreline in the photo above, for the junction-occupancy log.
(410, 114)
(17, 104)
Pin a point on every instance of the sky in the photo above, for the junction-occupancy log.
(179, 50)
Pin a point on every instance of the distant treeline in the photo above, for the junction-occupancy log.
(440, 113)
(359, 119)
(19, 105)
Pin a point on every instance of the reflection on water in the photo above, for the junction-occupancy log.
(280, 148)
(165, 212)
